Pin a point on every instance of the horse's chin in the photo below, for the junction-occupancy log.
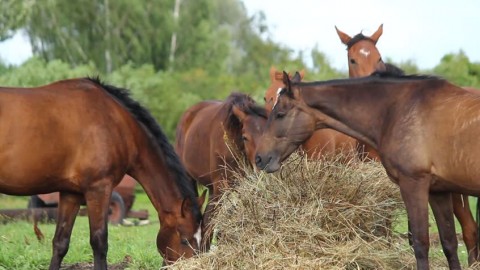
(272, 166)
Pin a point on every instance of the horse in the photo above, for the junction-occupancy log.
(207, 136)
(325, 142)
(364, 59)
(80, 137)
(423, 127)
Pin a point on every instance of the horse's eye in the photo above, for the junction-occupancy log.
(184, 242)
(244, 138)
(280, 114)
(380, 60)
(353, 61)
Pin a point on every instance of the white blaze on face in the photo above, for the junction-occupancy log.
(198, 235)
(276, 98)
(365, 52)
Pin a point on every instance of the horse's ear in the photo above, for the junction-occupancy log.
(302, 74)
(273, 72)
(297, 77)
(377, 34)
(186, 206)
(201, 200)
(343, 37)
(241, 115)
(286, 80)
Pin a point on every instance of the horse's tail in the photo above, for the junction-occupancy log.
(36, 229)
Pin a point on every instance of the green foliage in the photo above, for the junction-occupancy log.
(458, 69)
(322, 69)
(14, 14)
(37, 72)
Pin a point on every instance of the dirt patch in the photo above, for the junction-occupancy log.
(88, 266)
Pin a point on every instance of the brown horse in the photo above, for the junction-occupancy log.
(424, 129)
(363, 60)
(201, 143)
(80, 137)
(322, 142)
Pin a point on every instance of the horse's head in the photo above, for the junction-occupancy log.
(253, 120)
(180, 231)
(276, 83)
(363, 56)
(289, 124)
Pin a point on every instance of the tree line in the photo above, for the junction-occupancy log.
(169, 53)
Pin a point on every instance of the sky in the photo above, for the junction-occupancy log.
(419, 30)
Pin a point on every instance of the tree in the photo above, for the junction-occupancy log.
(458, 69)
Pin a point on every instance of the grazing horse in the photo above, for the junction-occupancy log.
(325, 142)
(424, 129)
(206, 134)
(363, 60)
(80, 137)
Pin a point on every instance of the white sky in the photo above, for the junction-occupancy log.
(420, 30)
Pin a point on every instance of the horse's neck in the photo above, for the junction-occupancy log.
(157, 179)
(356, 110)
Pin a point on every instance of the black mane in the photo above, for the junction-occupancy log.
(143, 116)
(382, 75)
(356, 39)
(246, 104)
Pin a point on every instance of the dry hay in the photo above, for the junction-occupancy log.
(310, 215)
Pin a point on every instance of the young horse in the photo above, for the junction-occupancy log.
(363, 60)
(201, 144)
(423, 128)
(80, 137)
(322, 142)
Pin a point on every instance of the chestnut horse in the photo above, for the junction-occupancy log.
(424, 129)
(80, 137)
(322, 142)
(363, 60)
(205, 135)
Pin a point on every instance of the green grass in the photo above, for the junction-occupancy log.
(436, 250)
(19, 248)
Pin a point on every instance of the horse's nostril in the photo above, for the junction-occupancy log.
(258, 160)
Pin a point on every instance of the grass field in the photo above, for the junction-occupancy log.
(19, 248)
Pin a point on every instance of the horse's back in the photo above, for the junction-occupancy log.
(185, 122)
(194, 137)
(55, 133)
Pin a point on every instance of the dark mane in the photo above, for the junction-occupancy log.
(356, 39)
(247, 105)
(390, 68)
(376, 76)
(143, 116)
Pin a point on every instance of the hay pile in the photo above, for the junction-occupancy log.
(309, 215)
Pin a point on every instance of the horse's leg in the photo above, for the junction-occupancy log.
(68, 207)
(98, 200)
(415, 197)
(442, 209)
(461, 209)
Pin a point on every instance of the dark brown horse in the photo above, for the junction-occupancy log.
(80, 137)
(325, 142)
(363, 60)
(424, 129)
(208, 135)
